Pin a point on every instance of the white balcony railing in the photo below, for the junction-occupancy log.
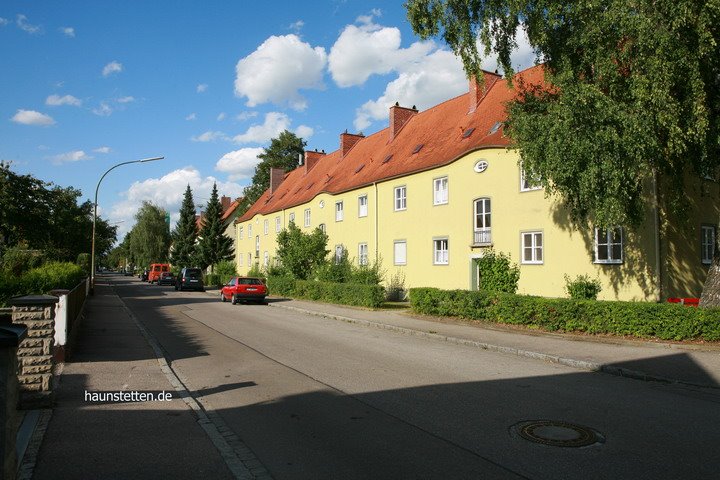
(482, 237)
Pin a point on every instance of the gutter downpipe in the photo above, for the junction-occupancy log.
(658, 290)
(377, 251)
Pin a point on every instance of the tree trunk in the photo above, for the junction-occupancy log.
(711, 290)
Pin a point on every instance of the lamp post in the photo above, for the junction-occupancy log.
(92, 251)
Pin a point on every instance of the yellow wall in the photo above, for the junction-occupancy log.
(567, 250)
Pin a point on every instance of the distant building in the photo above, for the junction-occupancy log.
(430, 193)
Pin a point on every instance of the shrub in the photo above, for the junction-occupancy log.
(396, 287)
(343, 293)
(43, 279)
(19, 259)
(333, 271)
(83, 261)
(366, 274)
(641, 319)
(225, 268)
(255, 271)
(497, 274)
(583, 287)
(281, 285)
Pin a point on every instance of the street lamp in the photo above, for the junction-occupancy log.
(92, 252)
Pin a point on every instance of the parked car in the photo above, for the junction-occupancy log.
(190, 278)
(156, 269)
(240, 289)
(166, 278)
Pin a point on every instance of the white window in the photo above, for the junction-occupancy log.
(440, 191)
(528, 183)
(257, 246)
(608, 245)
(240, 233)
(266, 259)
(266, 227)
(249, 259)
(440, 251)
(362, 206)
(277, 224)
(291, 217)
(363, 253)
(482, 221)
(249, 231)
(707, 243)
(400, 252)
(400, 198)
(322, 227)
(307, 217)
(532, 247)
(339, 211)
(339, 253)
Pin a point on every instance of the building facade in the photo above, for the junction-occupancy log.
(431, 193)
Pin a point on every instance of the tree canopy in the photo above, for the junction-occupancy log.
(300, 253)
(635, 92)
(149, 239)
(282, 153)
(213, 245)
(184, 236)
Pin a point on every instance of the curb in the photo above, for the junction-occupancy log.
(568, 362)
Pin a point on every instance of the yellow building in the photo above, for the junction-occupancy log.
(430, 193)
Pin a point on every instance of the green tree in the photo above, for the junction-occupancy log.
(301, 253)
(184, 237)
(497, 273)
(149, 238)
(213, 244)
(282, 153)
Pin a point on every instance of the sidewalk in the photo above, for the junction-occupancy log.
(122, 440)
(690, 364)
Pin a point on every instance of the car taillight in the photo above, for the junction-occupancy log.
(183, 279)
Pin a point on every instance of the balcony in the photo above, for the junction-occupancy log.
(482, 238)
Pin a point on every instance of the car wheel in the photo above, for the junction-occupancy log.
(234, 300)
(222, 298)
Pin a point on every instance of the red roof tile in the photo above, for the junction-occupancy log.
(379, 157)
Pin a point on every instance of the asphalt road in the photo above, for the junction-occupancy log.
(318, 398)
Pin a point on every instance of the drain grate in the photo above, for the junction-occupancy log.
(558, 434)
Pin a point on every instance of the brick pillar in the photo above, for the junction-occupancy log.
(35, 360)
(10, 337)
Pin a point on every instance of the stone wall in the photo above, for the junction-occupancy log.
(35, 359)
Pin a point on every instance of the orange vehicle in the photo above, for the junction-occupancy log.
(156, 269)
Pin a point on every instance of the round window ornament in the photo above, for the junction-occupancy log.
(480, 166)
(322, 203)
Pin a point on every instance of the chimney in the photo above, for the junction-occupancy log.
(225, 202)
(478, 92)
(348, 140)
(276, 177)
(399, 116)
(311, 158)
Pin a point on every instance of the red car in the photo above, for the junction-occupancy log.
(244, 288)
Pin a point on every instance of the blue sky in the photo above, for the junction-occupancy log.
(88, 84)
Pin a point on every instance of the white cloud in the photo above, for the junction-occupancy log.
(112, 67)
(103, 110)
(70, 157)
(278, 69)
(296, 26)
(68, 31)
(304, 132)
(57, 100)
(202, 87)
(209, 136)
(523, 55)
(4, 21)
(31, 117)
(275, 123)
(127, 99)
(437, 78)
(102, 150)
(25, 26)
(239, 164)
(221, 116)
(167, 192)
(190, 117)
(242, 116)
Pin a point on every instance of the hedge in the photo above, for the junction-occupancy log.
(49, 276)
(216, 279)
(360, 295)
(642, 319)
(281, 285)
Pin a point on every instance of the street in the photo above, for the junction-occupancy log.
(319, 398)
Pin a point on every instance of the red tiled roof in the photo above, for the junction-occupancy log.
(439, 130)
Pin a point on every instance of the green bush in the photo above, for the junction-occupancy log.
(255, 271)
(225, 268)
(583, 287)
(283, 285)
(43, 279)
(497, 274)
(19, 259)
(641, 319)
(395, 291)
(342, 293)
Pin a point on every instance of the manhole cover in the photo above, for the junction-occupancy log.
(558, 434)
